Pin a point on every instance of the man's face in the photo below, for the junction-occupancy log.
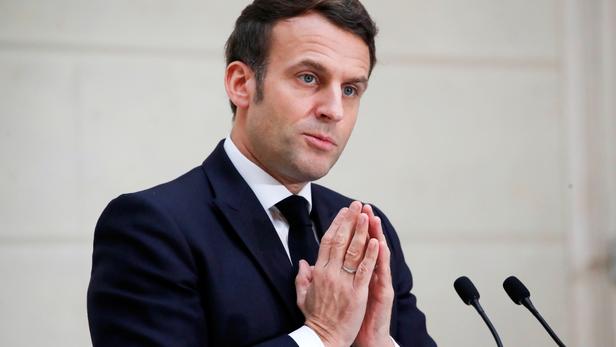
(316, 73)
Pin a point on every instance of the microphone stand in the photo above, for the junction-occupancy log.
(483, 315)
(529, 305)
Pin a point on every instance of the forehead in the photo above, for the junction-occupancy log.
(312, 36)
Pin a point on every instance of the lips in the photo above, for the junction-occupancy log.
(320, 141)
(323, 138)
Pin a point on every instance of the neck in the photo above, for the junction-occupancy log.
(293, 187)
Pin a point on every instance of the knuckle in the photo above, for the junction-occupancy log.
(352, 253)
(363, 268)
(327, 239)
(340, 240)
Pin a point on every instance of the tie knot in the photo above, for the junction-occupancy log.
(295, 210)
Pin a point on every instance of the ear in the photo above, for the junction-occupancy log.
(240, 84)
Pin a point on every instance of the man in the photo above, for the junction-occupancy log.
(212, 258)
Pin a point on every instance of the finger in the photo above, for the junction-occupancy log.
(343, 236)
(367, 209)
(355, 252)
(366, 267)
(327, 241)
(302, 282)
(383, 263)
(375, 229)
(303, 274)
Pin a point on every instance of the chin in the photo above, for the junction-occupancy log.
(309, 165)
(314, 170)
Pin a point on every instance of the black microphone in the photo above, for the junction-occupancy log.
(518, 292)
(470, 296)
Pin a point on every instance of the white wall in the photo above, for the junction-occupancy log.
(98, 98)
(590, 109)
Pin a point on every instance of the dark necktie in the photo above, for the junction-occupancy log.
(302, 243)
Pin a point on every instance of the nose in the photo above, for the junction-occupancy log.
(330, 104)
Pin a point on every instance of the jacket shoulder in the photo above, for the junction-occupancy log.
(332, 197)
(191, 183)
(173, 199)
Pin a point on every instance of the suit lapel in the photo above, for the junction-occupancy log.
(249, 221)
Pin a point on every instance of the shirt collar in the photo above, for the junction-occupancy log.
(267, 189)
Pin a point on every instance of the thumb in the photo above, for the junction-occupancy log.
(302, 282)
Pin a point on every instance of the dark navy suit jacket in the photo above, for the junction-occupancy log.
(197, 262)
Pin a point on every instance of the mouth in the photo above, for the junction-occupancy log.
(320, 141)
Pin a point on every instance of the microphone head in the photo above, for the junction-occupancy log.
(466, 290)
(516, 290)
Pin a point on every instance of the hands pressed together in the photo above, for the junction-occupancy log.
(347, 296)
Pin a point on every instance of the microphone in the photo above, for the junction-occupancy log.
(470, 296)
(520, 295)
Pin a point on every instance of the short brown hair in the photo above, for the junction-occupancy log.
(250, 40)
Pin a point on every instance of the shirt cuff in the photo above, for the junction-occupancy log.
(306, 337)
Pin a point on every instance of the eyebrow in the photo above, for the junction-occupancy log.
(318, 67)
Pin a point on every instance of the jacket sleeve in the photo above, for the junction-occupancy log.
(144, 285)
(408, 322)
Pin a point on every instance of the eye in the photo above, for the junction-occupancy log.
(349, 91)
(308, 78)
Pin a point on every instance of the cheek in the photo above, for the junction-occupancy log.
(292, 104)
(271, 129)
(289, 120)
(349, 122)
